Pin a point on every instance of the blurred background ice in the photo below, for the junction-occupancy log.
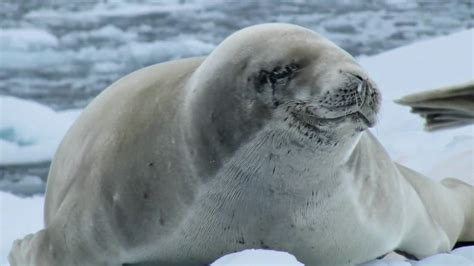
(63, 53)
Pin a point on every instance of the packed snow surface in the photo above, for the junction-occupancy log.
(30, 132)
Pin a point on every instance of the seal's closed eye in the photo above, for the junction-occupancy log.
(271, 84)
(277, 76)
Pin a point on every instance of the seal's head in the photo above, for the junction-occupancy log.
(320, 93)
(283, 76)
(294, 74)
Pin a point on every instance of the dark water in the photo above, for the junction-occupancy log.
(63, 53)
(90, 45)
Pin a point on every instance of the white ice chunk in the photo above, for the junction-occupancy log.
(30, 132)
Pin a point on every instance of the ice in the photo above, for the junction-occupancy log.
(85, 45)
(27, 185)
(26, 39)
(13, 57)
(30, 130)
(17, 43)
(108, 33)
(115, 9)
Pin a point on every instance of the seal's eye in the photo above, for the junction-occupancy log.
(278, 75)
(270, 84)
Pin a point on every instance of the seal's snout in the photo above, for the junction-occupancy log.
(354, 92)
(369, 102)
(359, 90)
(352, 95)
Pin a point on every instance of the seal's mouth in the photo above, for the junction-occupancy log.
(314, 122)
(368, 121)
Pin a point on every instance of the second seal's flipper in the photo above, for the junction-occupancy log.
(443, 108)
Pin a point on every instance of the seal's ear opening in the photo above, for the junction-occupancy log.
(271, 83)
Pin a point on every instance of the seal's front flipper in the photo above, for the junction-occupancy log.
(33, 249)
(52, 248)
(443, 108)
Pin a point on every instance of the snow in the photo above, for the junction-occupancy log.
(444, 259)
(30, 132)
(257, 257)
(465, 252)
